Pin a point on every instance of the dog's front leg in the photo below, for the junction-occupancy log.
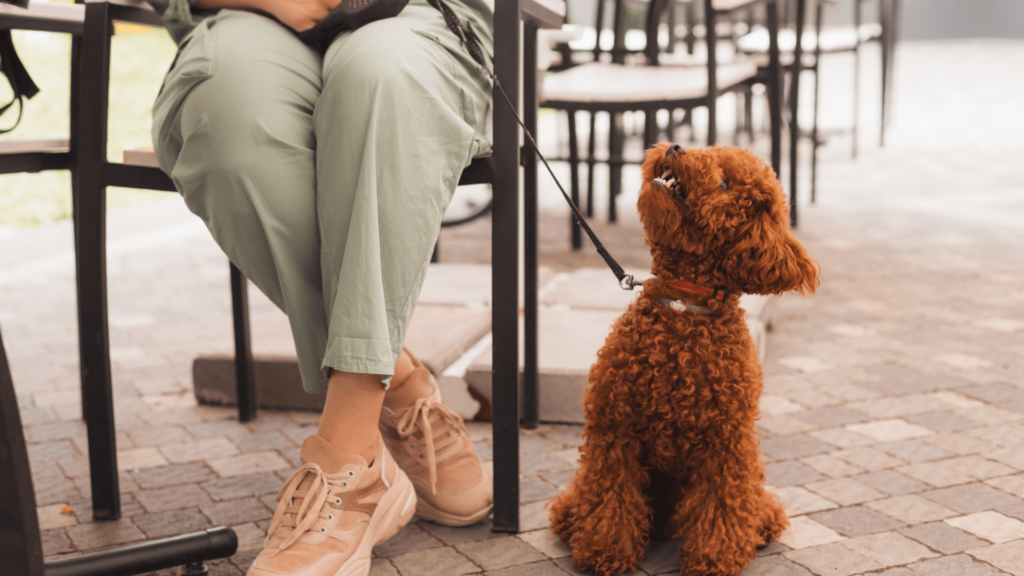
(719, 518)
(603, 515)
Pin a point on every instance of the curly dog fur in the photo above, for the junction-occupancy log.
(670, 446)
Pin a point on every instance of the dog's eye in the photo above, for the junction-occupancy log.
(724, 185)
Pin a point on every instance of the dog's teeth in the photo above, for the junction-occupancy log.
(671, 182)
(666, 174)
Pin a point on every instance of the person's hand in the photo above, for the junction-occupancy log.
(299, 15)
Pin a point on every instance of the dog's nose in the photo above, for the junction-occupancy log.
(674, 149)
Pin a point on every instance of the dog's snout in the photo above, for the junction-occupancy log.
(673, 150)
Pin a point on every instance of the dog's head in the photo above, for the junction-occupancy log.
(718, 216)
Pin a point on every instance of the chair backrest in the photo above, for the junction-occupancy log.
(20, 546)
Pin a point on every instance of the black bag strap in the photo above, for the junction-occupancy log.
(21, 83)
(472, 44)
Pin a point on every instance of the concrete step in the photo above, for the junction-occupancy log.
(452, 316)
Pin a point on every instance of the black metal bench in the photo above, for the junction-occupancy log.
(84, 154)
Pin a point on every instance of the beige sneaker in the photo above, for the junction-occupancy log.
(432, 446)
(332, 512)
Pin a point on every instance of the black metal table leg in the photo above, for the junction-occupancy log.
(576, 232)
(774, 87)
(531, 398)
(245, 381)
(712, 41)
(89, 199)
(505, 274)
(794, 108)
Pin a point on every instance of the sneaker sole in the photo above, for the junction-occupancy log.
(393, 512)
(428, 512)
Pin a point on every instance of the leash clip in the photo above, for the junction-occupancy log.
(627, 282)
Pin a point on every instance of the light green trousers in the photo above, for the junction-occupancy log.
(324, 178)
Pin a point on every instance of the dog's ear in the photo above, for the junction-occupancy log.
(770, 260)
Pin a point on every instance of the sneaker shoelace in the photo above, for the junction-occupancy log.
(452, 428)
(300, 518)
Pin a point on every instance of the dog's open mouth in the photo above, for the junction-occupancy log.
(668, 180)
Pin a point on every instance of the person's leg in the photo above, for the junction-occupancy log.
(239, 146)
(401, 115)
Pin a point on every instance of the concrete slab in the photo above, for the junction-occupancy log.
(465, 284)
(592, 288)
(569, 341)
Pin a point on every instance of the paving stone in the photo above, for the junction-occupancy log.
(935, 473)
(832, 416)
(1003, 395)
(214, 429)
(172, 498)
(545, 568)
(842, 438)
(941, 421)
(991, 526)
(205, 449)
(101, 534)
(795, 446)
(242, 486)
(790, 473)
(914, 450)
(55, 542)
(250, 536)
(833, 560)
(856, 521)
(889, 548)
(891, 482)
(831, 466)
(173, 475)
(961, 443)
(1012, 511)
(891, 430)
(943, 537)
(868, 458)
(409, 539)
(546, 542)
(51, 517)
(251, 463)
(434, 561)
(959, 565)
(171, 522)
(50, 451)
(129, 508)
(799, 500)
(238, 511)
(774, 566)
(774, 547)
(782, 424)
(1008, 556)
(911, 509)
(454, 536)
(978, 467)
(244, 558)
(382, 567)
(896, 572)
(845, 491)
(539, 462)
(139, 458)
(804, 532)
(532, 489)
(255, 442)
(971, 498)
(54, 431)
(534, 516)
(660, 557)
(1013, 457)
(498, 553)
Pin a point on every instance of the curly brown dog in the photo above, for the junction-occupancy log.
(670, 447)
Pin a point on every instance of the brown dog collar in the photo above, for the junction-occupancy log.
(716, 293)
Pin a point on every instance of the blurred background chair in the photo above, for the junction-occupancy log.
(621, 80)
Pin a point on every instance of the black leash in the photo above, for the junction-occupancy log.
(472, 44)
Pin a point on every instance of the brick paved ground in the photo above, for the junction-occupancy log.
(893, 412)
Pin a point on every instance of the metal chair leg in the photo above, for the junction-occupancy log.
(89, 198)
(591, 161)
(574, 182)
(245, 377)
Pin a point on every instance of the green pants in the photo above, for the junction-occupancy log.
(324, 178)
